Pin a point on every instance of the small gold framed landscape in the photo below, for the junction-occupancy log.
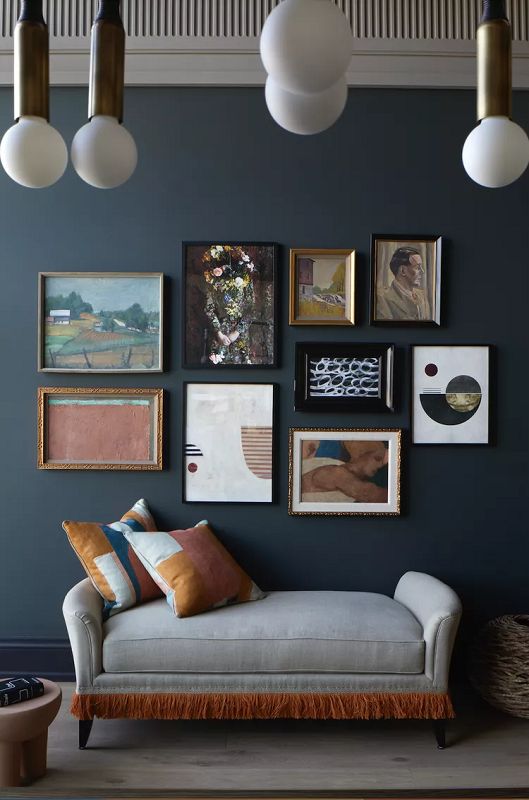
(322, 287)
(108, 322)
(344, 471)
(108, 429)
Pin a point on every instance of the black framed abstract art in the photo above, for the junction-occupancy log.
(229, 442)
(451, 394)
(339, 376)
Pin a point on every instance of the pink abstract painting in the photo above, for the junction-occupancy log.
(99, 430)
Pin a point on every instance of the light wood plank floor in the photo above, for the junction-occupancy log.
(488, 750)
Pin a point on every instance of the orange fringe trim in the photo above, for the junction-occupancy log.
(239, 705)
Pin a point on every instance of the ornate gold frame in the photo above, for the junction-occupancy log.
(350, 256)
(44, 392)
(291, 433)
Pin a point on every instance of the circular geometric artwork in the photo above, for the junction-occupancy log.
(431, 370)
(457, 404)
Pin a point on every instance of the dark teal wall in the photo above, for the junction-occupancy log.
(214, 166)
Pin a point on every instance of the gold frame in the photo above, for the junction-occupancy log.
(44, 392)
(292, 431)
(41, 338)
(350, 258)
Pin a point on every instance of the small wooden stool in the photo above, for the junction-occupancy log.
(24, 736)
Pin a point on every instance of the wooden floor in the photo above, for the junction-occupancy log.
(488, 750)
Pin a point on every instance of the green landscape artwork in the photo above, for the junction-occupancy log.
(101, 322)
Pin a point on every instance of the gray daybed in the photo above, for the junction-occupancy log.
(310, 654)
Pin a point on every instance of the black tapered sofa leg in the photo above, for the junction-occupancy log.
(85, 726)
(439, 726)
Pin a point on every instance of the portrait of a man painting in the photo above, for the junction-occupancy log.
(343, 471)
(229, 305)
(406, 274)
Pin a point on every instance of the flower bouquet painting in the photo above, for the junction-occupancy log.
(230, 305)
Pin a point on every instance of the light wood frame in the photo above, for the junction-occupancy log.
(349, 257)
(89, 370)
(49, 391)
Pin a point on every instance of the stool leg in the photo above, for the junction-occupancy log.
(34, 756)
(10, 757)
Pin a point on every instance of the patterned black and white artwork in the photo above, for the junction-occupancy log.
(344, 377)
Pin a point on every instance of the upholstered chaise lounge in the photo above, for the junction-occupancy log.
(312, 654)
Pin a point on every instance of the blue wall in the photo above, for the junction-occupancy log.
(214, 166)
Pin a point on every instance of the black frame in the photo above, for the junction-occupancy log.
(305, 351)
(275, 416)
(399, 237)
(206, 364)
(491, 395)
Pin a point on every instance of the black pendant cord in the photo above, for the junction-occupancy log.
(31, 11)
(108, 10)
(493, 9)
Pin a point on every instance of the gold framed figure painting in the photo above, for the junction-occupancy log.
(405, 280)
(344, 471)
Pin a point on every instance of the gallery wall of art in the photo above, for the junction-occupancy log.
(215, 168)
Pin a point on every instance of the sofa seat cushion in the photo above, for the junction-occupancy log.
(357, 632)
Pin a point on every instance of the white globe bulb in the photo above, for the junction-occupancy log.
(33, 153)
(306, 45)
(104, 153)
(305, 113)
(496, 152)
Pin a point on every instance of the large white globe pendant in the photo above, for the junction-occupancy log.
(305, 113)
(496, 152)
(306, 45)
(33, 153)
(104, 153)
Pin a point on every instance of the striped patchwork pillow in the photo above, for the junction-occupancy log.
(193, 569)
(110, 562)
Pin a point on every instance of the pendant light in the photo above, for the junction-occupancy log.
(496, 152)
(103, 151)
(306, 45)
(305, 113)
(32, 152)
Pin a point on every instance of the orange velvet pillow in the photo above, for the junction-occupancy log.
(110, 562)
(193, 569)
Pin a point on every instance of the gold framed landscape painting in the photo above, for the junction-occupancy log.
(103, 428)
(344, 471)
(405, 280)
(322, 287)
(100, 322)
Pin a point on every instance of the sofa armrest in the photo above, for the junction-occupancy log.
(438, 609)
(82, 609)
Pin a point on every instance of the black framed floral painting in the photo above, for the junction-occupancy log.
(230, 305)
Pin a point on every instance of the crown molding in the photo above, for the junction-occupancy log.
(234, 61)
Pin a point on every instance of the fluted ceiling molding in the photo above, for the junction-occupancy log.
(215, 42)
(378, 19)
